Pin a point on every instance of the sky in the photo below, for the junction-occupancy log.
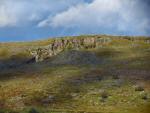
(26, 20)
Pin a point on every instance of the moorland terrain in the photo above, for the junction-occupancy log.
(80, 75)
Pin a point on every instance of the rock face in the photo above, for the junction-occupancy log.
(59, 45)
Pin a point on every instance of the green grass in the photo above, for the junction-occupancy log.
(72, 89)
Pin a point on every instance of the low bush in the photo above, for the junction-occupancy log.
(33, 110)
(104, 95)
(139, 88)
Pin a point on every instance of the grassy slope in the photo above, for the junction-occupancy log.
(77, 88)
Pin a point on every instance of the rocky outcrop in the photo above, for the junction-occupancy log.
(59, 45)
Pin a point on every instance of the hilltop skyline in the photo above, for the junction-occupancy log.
(26, 20)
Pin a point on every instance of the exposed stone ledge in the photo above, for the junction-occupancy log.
(59, 45)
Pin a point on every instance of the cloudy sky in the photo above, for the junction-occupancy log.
(23, 20)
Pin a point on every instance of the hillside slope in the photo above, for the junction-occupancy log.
(113, 77)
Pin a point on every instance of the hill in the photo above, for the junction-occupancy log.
(94, 74)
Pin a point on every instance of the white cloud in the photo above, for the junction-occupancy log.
(22, 12)
(119, 15)
(98, 15)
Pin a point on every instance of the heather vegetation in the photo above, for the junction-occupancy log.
(113, 77)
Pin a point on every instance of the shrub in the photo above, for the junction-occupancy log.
(144, 95)
(32, 110)
(139, 88)
(104, 95)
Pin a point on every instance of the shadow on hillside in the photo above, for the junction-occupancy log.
(107, 52)
(14, 66)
